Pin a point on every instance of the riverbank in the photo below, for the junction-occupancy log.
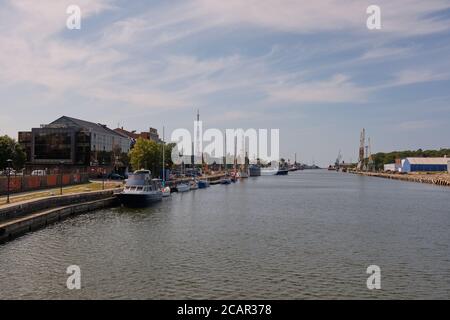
(441, 179)
(80, 188)
(20, 218)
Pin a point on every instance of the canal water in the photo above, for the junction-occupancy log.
(311, 234)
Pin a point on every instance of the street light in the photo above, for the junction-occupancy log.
(9, 162)
(61, 163)
(103, 175)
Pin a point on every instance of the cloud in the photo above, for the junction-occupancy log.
(400, 17)
(416, 125)
(386, 52)
(337, 89)
(419, 75)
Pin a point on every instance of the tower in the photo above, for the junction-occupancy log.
(198, 143)
(362, 142)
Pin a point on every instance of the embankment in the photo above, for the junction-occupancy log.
(441, 179)
(18, 219)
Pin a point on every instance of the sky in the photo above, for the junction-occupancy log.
(309, 68)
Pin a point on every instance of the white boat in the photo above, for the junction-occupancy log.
(269, 171)
(243, 174)
(140, 190)
(183, 187)
(165, 192)
(193, 185)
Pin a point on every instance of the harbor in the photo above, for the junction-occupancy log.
(310, 234)
(226, 156)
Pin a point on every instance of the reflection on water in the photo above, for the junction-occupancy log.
(311, 234)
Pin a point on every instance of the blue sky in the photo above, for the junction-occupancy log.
(311, 69)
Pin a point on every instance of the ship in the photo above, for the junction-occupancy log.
(254, 170)
(140, 190)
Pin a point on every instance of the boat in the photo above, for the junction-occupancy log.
(243, 174)
(254, 170)
(225, 181)
(282, 172)
(202, 184)
(165, 192)
(193, 185)
(140, 190)
(269, 171)
(183, 187)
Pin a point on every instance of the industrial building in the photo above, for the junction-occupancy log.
(390, 167)
(424, 164)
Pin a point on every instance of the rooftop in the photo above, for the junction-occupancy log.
(442, 160)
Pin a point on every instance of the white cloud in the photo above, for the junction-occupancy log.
(337, 89)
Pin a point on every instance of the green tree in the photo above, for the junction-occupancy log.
(10, 149)
(147, 154)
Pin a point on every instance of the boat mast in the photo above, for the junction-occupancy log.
(164, 162)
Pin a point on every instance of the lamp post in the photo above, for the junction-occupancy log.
(61, 163)
(9, 162)
(103, 175)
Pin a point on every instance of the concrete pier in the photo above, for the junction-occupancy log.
(436, 179)
(18, 219)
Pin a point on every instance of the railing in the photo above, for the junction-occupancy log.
(23, 183)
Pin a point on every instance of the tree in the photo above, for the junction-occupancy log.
(147, 154)
(10, 149)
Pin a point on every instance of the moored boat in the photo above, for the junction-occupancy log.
(282, 172)
(140, 190)
(202, 184)
(254, 170)
(269, 171)
(183, 187)
(166, 192)
(193, 185)
(243, 174)
(225, 181)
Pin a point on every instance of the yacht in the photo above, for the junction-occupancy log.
(254, 170)
(193, 185)
(202, 184)
(269, 171)
(141, 190)
(225, 181)
(183, 187)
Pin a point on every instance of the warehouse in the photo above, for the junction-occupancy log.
(424, 164)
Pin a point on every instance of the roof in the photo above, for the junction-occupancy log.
(440, 161)
(87, 125)
(126, 133)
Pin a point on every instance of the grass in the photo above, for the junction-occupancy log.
(91, 186)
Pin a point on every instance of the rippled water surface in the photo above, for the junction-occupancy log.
(311, 234)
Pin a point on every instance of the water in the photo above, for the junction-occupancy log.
(307, 235)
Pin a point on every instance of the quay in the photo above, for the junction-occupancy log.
(440, 179)
(20, 218)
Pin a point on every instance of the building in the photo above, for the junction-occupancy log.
(390, 167)
(152, 134)
(424, 164)
(73, 142)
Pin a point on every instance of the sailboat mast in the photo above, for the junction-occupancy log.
(164, 162)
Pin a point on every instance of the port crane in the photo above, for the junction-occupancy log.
(337, 163)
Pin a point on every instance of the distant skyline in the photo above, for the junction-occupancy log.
(311, 69)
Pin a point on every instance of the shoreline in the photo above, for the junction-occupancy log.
(439, 179)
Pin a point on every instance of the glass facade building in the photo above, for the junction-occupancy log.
(73, 142)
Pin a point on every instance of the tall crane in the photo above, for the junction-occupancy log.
(362, 142)
(337, 164)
